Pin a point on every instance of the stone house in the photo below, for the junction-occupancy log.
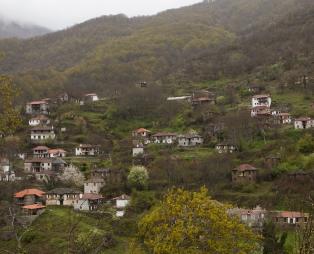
(88, 202)
(303, 123)
(260, 111)
(6, 173)
(288, 218)
(94, 185)
(37, 107)
(283, 118)
(226, 147)
(244, 173)
(42, 133)
(261, 100)
(62, 197)
(87, 150)
(29, 197)
(190, 140)
(40, 152)
(272, 161)
(201, 97)
(164, 138)
(254, 218)
(39, 120)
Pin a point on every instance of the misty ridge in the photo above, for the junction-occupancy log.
(16, 29)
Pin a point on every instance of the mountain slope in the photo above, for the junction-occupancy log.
(204, 41)
(10, 29)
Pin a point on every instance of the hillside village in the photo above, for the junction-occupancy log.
(116, 125)
(49, 159)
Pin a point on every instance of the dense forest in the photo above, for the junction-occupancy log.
(206, 41)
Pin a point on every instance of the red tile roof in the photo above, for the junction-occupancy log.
(33, 207)
(26, 192)
(37, 102)
(288, 214)
(141, 130)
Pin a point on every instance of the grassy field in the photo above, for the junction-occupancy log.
(50, 233)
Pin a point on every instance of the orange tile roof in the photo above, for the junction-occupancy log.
(33, 207)
(288, 214)
(26, 192)
(141, 130)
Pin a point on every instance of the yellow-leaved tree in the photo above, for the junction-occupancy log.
(191, 222)
(10, 118)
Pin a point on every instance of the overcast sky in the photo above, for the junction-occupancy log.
(58, 14)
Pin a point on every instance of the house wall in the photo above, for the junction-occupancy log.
(121, 203)
(93, 187)
(137, 151)
(261, 102)
(42, 135)
(81, 205)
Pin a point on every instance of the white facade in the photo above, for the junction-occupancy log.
(303, 123)
(261, 100)
(93, 186)
(164, 138)
(137, 151)
(86, 150)
(190, 140)
(38, 134)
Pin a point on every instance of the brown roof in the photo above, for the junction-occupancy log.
(259, 96)
(91, 196)
(288, 214)
(141, 130)
(33, 207)
(26, 192)
(88, 146)
(40, 148)
(40, 117)
(37, 102)
(303, 119)
(42, 128)
(42, 160)
(57, 150)
(164, 134)
(244, 167)
(122, 197)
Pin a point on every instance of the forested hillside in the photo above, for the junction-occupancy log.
(206, 41)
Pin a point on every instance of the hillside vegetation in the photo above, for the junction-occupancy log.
(206, 41)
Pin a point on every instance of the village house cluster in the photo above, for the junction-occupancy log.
(261, 108)
(34, 201)
(142, 137)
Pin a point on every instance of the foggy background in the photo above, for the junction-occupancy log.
(59, 14)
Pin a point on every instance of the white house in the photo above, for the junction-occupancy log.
(91, 97)
(88, 202)
(164, 138)
(190, 140)
(138, 150)
(6, 174)
(37, 107)
(226, 148)
(303, 123)
(121, 203)
(62, 197)
(87, 150)
(261, 100)
(39, 120)
(42, 133)
(93, 185)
